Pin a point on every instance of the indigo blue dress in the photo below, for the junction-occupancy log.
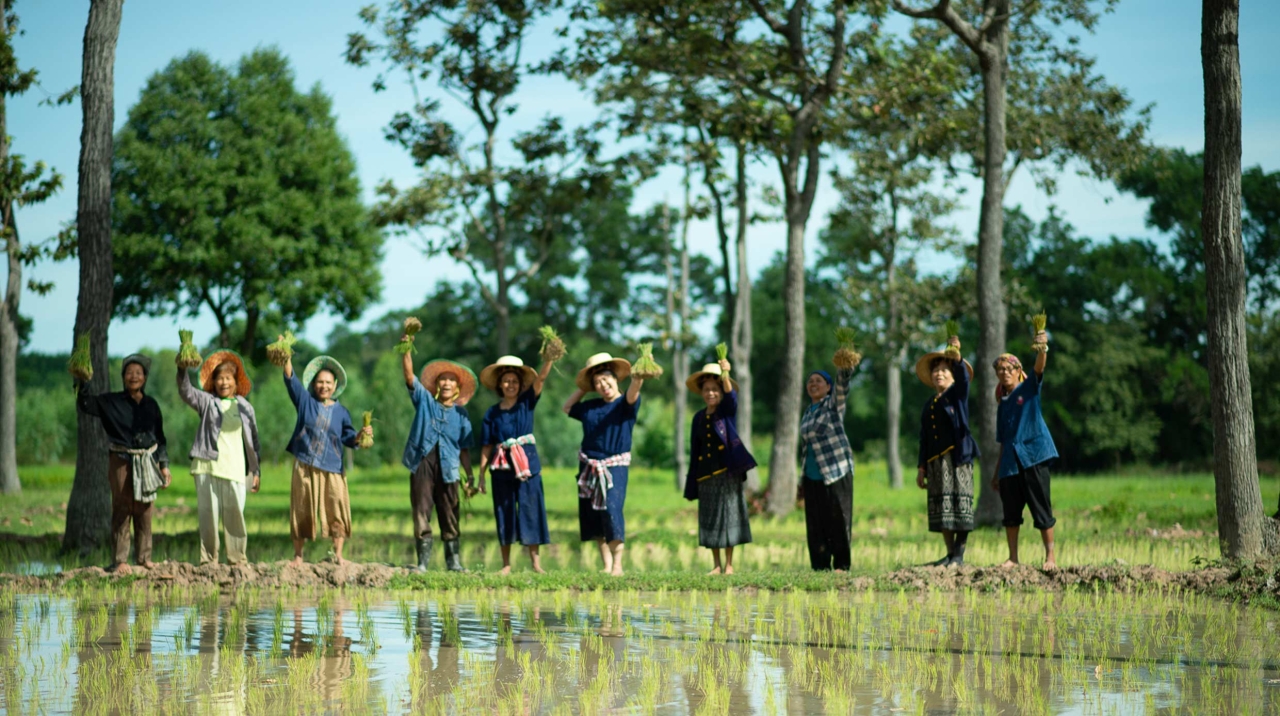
(606, 432)
(518, 505)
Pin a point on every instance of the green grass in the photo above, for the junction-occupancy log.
(1101, 520)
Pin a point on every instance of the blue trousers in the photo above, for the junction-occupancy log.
(607, 524)
(519, 509)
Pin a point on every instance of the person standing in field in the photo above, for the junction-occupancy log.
(319, 504)
(225, 452)
(1022, 475)
(138, 460)
(439, 444)
(828, 470)
(947, 449)
(605, 454)
(509, 450)
(718, 466)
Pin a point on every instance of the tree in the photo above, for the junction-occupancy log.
(89, 506)
(1235, 459)
(1059, 109)
(235, 193)
(504, 222)
(19, 186)
(678, 331)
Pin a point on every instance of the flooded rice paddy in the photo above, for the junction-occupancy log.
(120, 649)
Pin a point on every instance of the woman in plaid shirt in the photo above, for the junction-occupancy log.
(828, 470)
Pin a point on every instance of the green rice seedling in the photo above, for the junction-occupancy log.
(1038, 322)
(847, 356)
(952, 330)
(80, 365)
(188, 356)
(411, 327)
(645, 367)
(280, 351)
(366, 441)
(553, 348)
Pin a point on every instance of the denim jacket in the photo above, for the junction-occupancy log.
(436, 426)
(1020, 429)
(321, 430)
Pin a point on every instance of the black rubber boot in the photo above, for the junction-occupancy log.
(957, 549)
(939, 562)
(424, 553)
(453, 556)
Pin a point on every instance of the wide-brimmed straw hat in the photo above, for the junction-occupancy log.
(217, 358)
(489, 376)
(328, 363)
(923, 371)
(694, 382)
(621, 368)
(432, 371)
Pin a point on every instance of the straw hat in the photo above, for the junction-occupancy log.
(489, 376)
(620, 367)
(922, 366)
(328, 363)
(707, 369)
(432, 371)
(217, 358)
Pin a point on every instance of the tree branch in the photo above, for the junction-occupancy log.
(768, 18)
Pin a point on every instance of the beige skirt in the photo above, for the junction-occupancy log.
(318, 501)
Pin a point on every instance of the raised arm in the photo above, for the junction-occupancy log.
(541, 378)
(840, 391)
(87, 402)
(407, 364)
(186, 391)
(633, 390)
(573, 400)
(1042, 352)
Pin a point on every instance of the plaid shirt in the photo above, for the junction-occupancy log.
(823, 431)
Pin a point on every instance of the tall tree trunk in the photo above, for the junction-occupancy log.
(741, 336)
(248, 342)
(893, 372)
(89, 507)
(680, 358)
(992, 314)
(9, 481)
(786, 431)
(1235, 460)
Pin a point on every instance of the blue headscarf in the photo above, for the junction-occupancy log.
(825, 376)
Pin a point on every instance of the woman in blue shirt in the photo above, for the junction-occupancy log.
(439, 444)
(1022, 475)
(607, 424)
(508, 448)
(318, 500)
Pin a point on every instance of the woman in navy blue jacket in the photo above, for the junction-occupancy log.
(718, 466)
(947, 449)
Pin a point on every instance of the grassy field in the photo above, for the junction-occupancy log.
(1163, 520)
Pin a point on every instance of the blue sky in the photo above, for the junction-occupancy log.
(1149, 47)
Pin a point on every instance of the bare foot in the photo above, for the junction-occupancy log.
(728, 570)
(715, 571)
(1008, 564)
(840, 571)
(1050, 565)
(617, 572)
(505, 570)
(296, 561)
(147, 565)
(122, 569)
(539, 569)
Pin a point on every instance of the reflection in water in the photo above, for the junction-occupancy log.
(636, 653)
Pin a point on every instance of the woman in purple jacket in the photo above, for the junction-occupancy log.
(718, 466)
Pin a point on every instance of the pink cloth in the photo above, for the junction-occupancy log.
(595, 480)
(510, 455)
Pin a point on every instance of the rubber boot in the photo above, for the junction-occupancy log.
(453, 555)
(424, 553)
(957, 550)
(939, 562)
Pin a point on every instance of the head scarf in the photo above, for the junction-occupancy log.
(143, 362)
(825, 376)
(1013, 361)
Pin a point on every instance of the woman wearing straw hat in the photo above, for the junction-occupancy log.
(1022, 475)
(319, 504)
(439, 443)
(718, 466)
(508, 448)
(224, 454)
(947, 449)
(828, 470)
(138, 458)
(605, 454)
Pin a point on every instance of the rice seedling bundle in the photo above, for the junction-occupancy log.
(81, 364)
(1038, 322)
(366, 440)
(722, 351)
(953, 330)
(847, 357)
(552, 347)
(188, 356)
(281, 351)
(411, 327)
(645, 366)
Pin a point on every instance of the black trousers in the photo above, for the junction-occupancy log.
(828, 519)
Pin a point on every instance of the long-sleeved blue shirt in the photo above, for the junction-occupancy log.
(1024, 438)
(434, 426)
(321, 430)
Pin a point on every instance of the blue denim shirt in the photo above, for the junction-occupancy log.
(436, 426)
(321, 430)
(1020, 429)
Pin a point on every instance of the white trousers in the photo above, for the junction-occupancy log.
(221, 500)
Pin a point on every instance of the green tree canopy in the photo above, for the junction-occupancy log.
(234, 192)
